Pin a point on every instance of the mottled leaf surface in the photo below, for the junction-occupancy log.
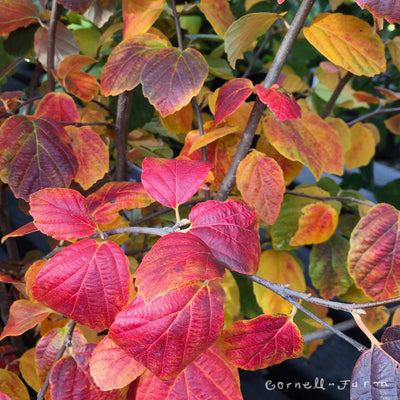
(390, 10)
(12, 387)
(16, 15)
(58, 106)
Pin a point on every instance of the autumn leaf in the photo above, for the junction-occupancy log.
(180, 121)
(58, 106)
(218, 14)
(16, 15)
(382, 9)
(189, 318)
(347, 41)
(28, 369)
(12, 387)
(392, 124)
(261, 342)
(260, 181)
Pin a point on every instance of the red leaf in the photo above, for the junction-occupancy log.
(174, 261)
(58, 106)
(111, 367)
(23, 230)
(87, 281)
(105, 203)
(230, 96)
(61, 213)
(70, 379)
(16, 15)
(390, 10)
(80, 6)
(189, 319)
(34, 155)
(261, 342)
(210, 376)
(172, 77)
(172, 182)
(282, 106)
(3, 396)
(230, 229)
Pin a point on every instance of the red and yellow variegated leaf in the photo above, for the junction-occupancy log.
(390, 10)
(172, 182)
(65, 44)
(392, 124)
(230, 229)
(211, 375)
(34, 155)
(16, 15)
(374, 253)
(260, 181)
(124, 67)
(104, 204)
(24, 315)
(281, 105)
(172, 77)
(243, 32)
(283, 268)
(308, 140)
(80, 383)
(174, 261)
(261, 342)
(328, 267)
(180, 121)
(10, 100)
(139, 15)
(218, 14)
(111, 367)
(61, 213)
(189, 319)
(58, 106)
(91, 154)
(87, 281)
(230, 96)
(49, 345)
(79, 6)
(12, 387)
(390, 95)
(80, 84)
(362, 147)
(317, 224)
(349, 42)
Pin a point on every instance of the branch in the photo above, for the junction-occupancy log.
(134, 229)
(10, 67)
(13, 110)
(336, 93)
(378, 111)
(60, 353)
(78, 124)
(258, 108)
(327, 198)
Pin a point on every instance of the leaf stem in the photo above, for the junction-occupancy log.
(60, 353)
(258, 108)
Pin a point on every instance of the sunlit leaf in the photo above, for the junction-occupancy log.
(87, 281)
(218, 14)
(309, 140)
(382, 9)
(172, 77)
(283, 268)
(230, 96)
(172, 182)
(180, 121)
(328, 267)
(24, 315)
(211, 375)
(34, 155)
(111, 367)
(230, 229)
(347, 41)
(58, 106)
(12, 387)
(260, 181)
(124, 66)
(261, 342)
(28, 369)
(374, 253)
(232, 298)
(243, 32)
(61, 213)
(317, 223)
(189, 318)
(168, 266)
(16, 15)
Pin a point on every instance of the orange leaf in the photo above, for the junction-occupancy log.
(309, 140)
(260, 181)
(58, 106)
(261, 342)
(349, 42)
(180, 121)
(21, 231)
(393, 124)
(390, 95)
(316, 225)
(218, 13)
(24, 315)
(16, 15)
(12, 387)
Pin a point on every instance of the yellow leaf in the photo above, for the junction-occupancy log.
(342, 129)
(218, 14)
(349, 42)
(250, 3)
(280, 267)
(180, 121)
(375, 131)
(27, 366)
(335, 4)
(317, 224)
(394, 49)
(232, 298)
(12, 386)
(362, 147)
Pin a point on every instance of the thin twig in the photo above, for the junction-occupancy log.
(378, 111)
(78, 124)
(134, 229)
(51, 44)
(60, 353)
(258, 108)
(6, 70)
(33, 85)
(100, 104)
(336, 93)
(327, 198)
(16, 108)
